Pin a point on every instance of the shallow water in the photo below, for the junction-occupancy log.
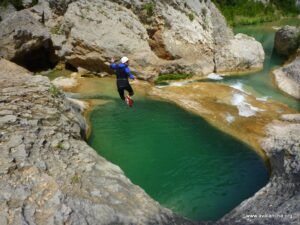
(176, 157)
(261, 83)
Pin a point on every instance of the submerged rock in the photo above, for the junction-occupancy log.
(65, 82)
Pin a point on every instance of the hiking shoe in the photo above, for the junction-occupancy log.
(129, 101)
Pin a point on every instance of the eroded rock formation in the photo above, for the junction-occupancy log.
(278, 201)
(25, 41)
(48, 174)
(288, 76)
(159, 37)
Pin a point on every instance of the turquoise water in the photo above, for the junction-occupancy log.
(261, 83)
(176, 157)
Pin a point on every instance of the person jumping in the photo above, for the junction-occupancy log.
(123, 73)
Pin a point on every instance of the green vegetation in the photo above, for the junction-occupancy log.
(149, 7)
(174, 76)
(59, 145)
(54, 91)
(191, 16)
(75, 179)
(244, 12)
(56, 29)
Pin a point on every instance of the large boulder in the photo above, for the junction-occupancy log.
(24, 40)
(241, 53)
(287, 40)
(288, 78)
(159, 37)
(99, 30)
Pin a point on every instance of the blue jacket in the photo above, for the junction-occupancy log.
(122, 71)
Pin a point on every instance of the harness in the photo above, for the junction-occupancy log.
(122, 77)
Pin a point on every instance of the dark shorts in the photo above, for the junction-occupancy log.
(122, 87)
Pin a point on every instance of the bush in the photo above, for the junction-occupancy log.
(191, 16)
(173, 76)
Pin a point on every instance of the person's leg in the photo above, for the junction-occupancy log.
(131, 93)
(130, 90)
(121, 93)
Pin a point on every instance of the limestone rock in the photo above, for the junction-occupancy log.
(288, 78)
(158, 37)
(24, 40)
(278, 201)
(6, 11)
(49, 175)
(241, 53)
(286, 40)
(65, 82)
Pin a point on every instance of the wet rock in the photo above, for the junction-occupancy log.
(291, 117)
(65, 83)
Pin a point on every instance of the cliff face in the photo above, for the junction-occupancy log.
(162, 36)
(48, 174)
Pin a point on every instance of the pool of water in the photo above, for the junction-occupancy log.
(176, 157)
(261, 83)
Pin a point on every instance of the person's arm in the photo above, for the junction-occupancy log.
(130, 75)
(113, 65)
